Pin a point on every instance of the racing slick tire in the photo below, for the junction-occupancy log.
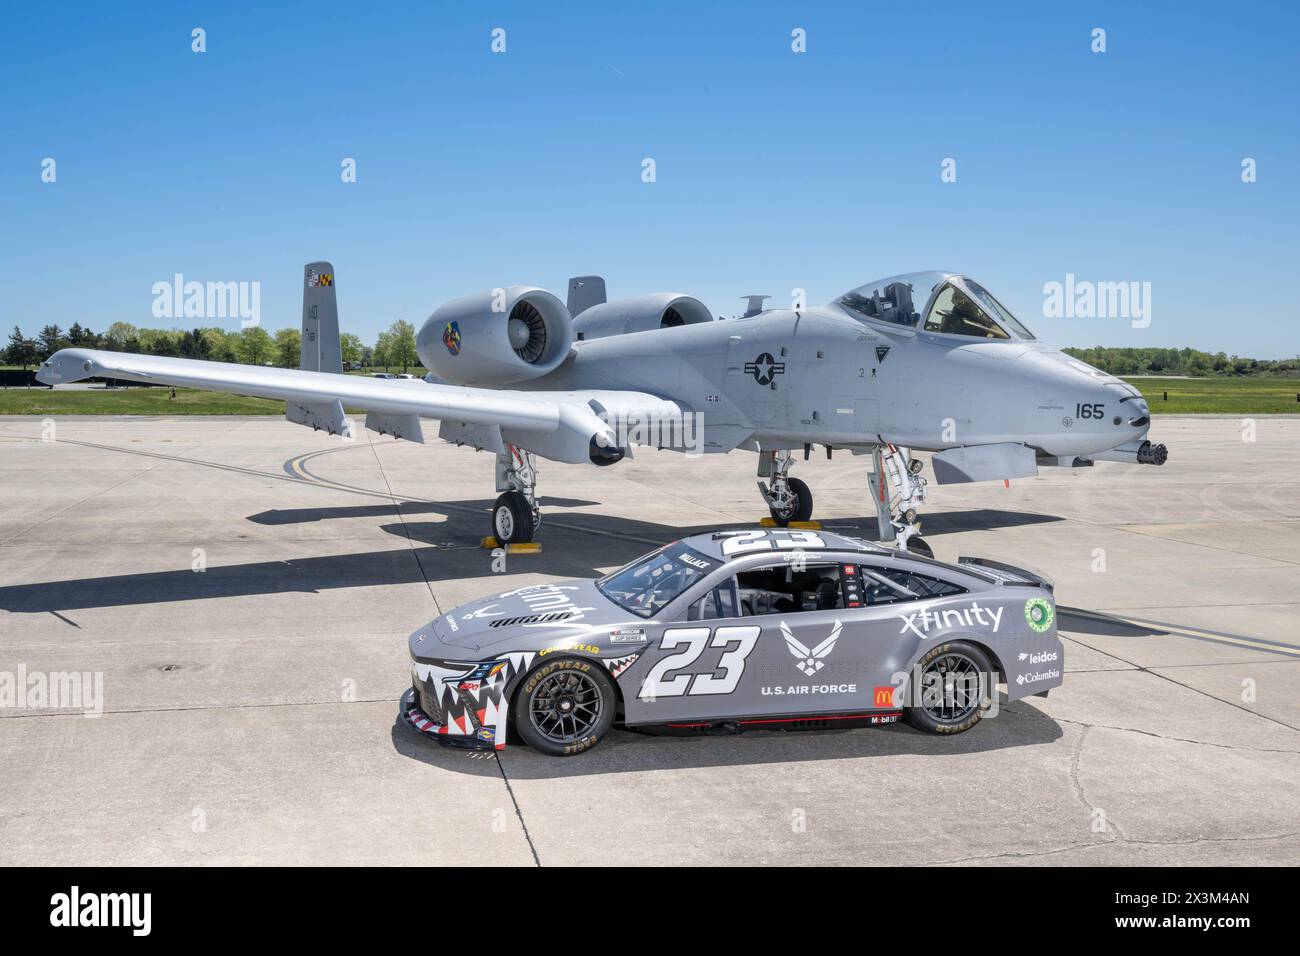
(565, 706)
(512, 519)
(954, 705)
(803, 504)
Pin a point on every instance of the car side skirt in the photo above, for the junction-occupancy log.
(723, 726)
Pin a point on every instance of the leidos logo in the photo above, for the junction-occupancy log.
(1038, 657)
(810, 661)
(102, 909)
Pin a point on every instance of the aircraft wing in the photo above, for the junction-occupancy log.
(576, 426)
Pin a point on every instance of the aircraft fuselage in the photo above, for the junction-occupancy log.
(821, 376)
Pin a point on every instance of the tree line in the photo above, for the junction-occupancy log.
(1151, 361)
(395, 348)
(251, 346)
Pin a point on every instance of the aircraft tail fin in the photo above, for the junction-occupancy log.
(320, 320)
(584, 292)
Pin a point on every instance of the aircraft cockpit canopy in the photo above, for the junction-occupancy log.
(941, 302)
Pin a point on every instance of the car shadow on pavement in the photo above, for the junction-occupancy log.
(622, 751)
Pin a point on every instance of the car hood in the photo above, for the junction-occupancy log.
(538, 614)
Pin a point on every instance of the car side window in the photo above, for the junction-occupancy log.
(719, 602)
(785, 588)
(891, 585)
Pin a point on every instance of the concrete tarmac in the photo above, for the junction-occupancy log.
(245, 587)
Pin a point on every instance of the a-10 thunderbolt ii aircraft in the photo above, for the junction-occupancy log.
(929, 360)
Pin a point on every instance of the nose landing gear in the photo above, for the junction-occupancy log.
(788, 499)
(516, 516)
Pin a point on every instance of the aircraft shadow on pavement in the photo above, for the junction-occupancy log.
(284, 516)
(468, 520)
(577, 546)
(1016, 725)
(1079, 621)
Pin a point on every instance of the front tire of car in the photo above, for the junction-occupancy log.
(565, 706)
(957, 684)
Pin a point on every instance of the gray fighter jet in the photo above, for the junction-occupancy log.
(928, 360)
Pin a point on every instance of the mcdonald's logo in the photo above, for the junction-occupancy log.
(883, 697)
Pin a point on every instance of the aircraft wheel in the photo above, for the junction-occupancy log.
(512, 519)
(800, 507)
(918, 545)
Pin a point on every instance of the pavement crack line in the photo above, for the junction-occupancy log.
(1077, 787)
(1181, 740)
(1088, 846)
(410, 541)
(1196, 690)
(103, 491)
(518, 810)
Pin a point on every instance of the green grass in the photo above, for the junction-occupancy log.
(131, 401)
(1256, 395)
(1260, 395)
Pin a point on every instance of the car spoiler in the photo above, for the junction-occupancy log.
(1008, 574)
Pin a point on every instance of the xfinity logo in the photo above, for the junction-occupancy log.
(810, 661)
(102, 909)
(953, 617)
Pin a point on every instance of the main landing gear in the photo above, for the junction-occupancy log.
(788, 499)
(516, 514)
(899, 490)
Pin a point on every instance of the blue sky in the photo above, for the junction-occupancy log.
(775, 170)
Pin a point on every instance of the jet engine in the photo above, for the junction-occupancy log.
(495, 338)
(660, 310)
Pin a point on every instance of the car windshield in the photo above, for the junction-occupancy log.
(648, 584)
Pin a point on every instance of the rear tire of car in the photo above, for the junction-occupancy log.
(803, 506)
(565, 706)
(942, 714)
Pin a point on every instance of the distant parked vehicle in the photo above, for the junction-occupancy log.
(382, 375)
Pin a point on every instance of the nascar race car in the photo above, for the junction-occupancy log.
(774, 629)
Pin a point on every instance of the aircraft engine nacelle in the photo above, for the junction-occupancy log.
(495, 338)
(660, 310)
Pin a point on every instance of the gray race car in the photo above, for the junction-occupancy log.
(777, 629)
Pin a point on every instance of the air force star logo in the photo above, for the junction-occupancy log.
(810, 661)
(765, 369)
